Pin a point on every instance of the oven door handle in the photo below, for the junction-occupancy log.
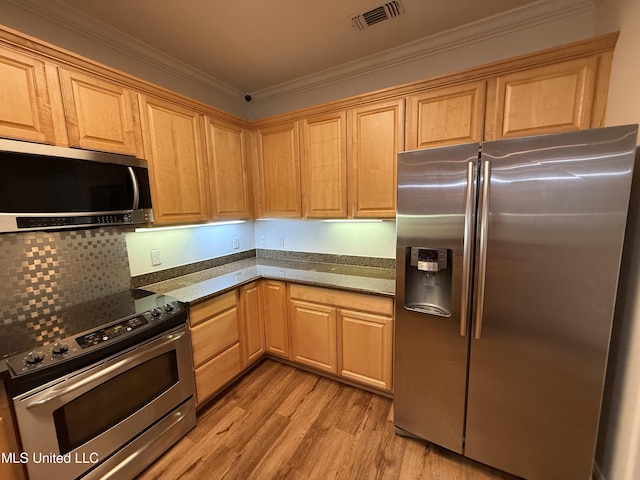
(119, 365)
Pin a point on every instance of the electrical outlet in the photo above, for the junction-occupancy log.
(263, 239)
(236, 243)
(155, 257)
(281, 240)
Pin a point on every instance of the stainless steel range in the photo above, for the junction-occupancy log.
(110, 397)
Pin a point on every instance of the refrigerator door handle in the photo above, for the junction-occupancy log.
(482, 246)
(466, 250)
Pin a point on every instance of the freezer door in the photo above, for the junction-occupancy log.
(553, 226)
(435, 187)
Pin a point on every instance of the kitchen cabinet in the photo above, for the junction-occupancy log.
(324, 166)
(30, 98)
(347, 333)
(313, 335)
(100, 115)
(375, 136)
(8, 440)
(215, 342)
(251, 323)
(227, 170)
(553, 98)
(366, 347)
(279, 171)
(445, 116)
(173, 146)
(276, 319)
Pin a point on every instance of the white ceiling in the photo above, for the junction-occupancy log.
(251, 45)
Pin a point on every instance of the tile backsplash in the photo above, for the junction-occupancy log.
(41, 271)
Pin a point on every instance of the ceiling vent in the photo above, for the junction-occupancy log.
(379, 14)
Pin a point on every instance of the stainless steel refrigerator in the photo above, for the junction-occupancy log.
(508, 255)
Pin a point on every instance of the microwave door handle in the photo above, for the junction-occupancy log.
(136, 189)
(466, 250)
(119, 365)
(482, 249)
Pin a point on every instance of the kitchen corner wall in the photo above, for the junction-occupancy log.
(189, 245)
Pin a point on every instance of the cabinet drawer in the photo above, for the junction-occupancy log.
(214, 335)
(356, 301)
(203, 311)
(214, 374)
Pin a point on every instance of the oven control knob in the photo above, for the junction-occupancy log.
(155, 312)
(34, 357)
(60, 348)
(168, 307)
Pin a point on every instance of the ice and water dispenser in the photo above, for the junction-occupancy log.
(428, 277)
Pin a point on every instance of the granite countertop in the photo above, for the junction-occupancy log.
(199, 286)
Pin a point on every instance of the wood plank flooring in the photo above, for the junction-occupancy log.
(280, 422)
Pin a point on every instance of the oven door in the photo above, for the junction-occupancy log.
(69, 426)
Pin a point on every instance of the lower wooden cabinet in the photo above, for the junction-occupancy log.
(313, 335)
(276, 323)
(8, 440)
(251, 323)
(365, 346)
(345, 333)
(215, 343)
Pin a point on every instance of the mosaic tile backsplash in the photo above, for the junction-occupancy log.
(42, 271)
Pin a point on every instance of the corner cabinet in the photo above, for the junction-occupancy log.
(251, 323)
(313, 335)
(173, 146)
(28, 94)
(227, 170)
(276, 318)
(376, 136)
(324, 166)
(279, 171)
(100, 115)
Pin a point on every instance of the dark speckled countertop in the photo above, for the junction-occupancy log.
(205, 284)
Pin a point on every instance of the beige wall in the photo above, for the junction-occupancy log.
(618, 455)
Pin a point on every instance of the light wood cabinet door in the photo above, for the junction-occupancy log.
(324, 166)
(446, 116)
(376, 135)
(26, 99)
(213, 336)
(366, 348)
(251, 324)
(216, 373)
(8, 440)
(228, 183)
(554, 98)
(279, 171)
(173, 146)
(313, 335)
(276, 322)
(100, 115)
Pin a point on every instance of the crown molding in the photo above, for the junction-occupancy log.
(78, 22)
(527, 16)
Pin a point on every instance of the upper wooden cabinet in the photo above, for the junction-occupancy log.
(25, 100)
(100, 115)
(324, 166)
(173, 146)
(376, 135)
(228, 178)
(445, 116)
(279, 171)
(554, 98)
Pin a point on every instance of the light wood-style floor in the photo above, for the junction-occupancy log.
(280, 422)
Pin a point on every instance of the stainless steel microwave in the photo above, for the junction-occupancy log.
(43, 187)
